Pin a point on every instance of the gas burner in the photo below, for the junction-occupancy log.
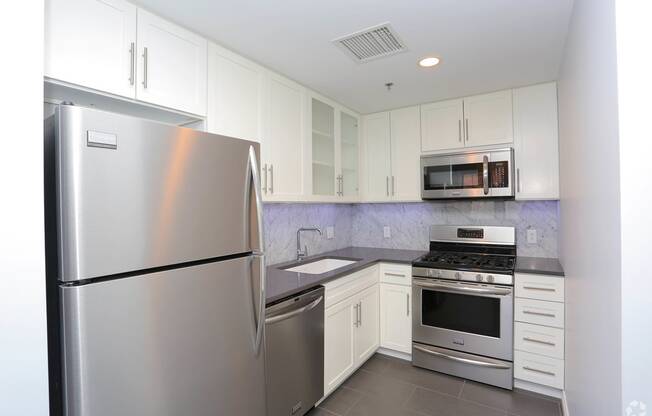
(467, 261)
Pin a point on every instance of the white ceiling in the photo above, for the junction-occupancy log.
(485, 45)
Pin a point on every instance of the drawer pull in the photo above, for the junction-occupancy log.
(543, 289)
(552, 344)
(394, 274)
(549, 315)
(548, 373)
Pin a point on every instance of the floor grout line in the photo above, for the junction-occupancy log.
(459, 396)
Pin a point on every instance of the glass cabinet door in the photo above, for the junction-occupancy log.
(349, 150)
(323, 149)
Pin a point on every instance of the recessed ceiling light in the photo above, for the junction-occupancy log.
(428, 62)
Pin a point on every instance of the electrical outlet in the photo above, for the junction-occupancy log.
(330, 232)
(531, 236)
(387, 233)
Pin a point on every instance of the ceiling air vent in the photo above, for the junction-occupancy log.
(372, 43)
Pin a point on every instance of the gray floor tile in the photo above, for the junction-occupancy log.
(341, 400)
(513, 402)
(378, 363)
(371, 406)
(318, 411)
(437, 404)
(382, 388)
(405, 371)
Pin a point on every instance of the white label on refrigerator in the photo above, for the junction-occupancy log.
(100, 139)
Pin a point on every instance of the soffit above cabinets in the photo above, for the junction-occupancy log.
(484, 45)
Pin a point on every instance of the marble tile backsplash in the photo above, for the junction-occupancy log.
(362, 224)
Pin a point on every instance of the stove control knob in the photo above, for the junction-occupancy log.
(458, 275)
(478, 277)
(490, 278)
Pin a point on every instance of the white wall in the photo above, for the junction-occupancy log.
(23, 349)
(634, 32)
(590, 210)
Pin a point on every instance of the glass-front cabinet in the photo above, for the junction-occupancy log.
(335, 151)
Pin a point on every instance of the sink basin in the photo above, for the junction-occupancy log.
(321, 266)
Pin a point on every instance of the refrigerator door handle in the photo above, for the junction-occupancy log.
(255, 180)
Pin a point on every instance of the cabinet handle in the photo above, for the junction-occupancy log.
(408, 304)
(337, 178)
(393, 185)
(394, 274)
(387, 185)
(550, 315)
(265, 176)
(356, 315)
(132, 58)
(145, 68)
(543, 289)
(538, 341)
(271, 179)
(459, 130)
(466, 128)
(548, 373)
(341, 185)
(360, 311)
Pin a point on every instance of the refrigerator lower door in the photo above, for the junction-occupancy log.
(177, 342)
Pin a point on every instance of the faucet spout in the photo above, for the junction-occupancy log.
(303, 253)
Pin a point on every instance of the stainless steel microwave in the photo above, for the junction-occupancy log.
(487, 174)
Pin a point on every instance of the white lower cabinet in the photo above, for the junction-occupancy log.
(396, 317)
(351, 327)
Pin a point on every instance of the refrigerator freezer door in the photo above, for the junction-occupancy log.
(178, 342)
(135, 194)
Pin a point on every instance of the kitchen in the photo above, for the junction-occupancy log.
(425, 211)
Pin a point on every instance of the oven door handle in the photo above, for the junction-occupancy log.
(461, 359)
(469, 290)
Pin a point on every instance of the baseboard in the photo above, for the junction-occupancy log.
(564, 404)
(395, 354)
(537, 388)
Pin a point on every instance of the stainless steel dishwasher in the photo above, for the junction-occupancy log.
(294, 342)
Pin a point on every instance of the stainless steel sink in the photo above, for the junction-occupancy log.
(320, 266)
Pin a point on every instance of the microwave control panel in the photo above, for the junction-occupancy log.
(498, 174)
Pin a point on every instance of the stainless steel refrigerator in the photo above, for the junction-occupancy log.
(160, 268)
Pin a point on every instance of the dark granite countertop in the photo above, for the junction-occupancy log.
(281, 283)
(539, 265)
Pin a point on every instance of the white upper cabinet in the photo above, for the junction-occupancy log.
(92, 43)
(536, 142)
(405, 138)
(349, 156)
(235, 95)
(488, 119)
(377, 148)
(283, 160)
(324, 180)
(441, 125)
(171, 65)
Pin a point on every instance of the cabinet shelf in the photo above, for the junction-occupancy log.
(322, 164)
(321, 134)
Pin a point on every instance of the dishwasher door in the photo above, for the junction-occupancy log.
(294, 342)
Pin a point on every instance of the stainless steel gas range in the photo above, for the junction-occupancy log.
(463, 303)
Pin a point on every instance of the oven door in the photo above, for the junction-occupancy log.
(467, 175)
(468, 317)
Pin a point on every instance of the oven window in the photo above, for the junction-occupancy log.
(466, 176)
(472, 314)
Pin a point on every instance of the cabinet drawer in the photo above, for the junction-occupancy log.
(347, 286)
(539, 312)
(539, 369)
(535, 286)
(398, 274)
(538, 339)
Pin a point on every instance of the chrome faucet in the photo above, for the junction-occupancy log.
(303, 253)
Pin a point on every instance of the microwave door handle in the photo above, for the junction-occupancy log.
(485, 174)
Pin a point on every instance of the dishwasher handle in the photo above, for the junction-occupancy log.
(272, 319)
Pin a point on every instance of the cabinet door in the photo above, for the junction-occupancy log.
(323, 149)
(172, 65)
(488, 119)
(235, 95)
(92, 43)
(367, 334)
(441, 125)
(339, 359)
(284, 140)
(536, 142)
(396, 317)
(349, 154)
(405, 138)
(377, 149)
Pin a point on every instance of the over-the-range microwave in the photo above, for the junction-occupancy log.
(486, 174)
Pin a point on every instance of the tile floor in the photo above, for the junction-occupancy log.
(386, 386)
